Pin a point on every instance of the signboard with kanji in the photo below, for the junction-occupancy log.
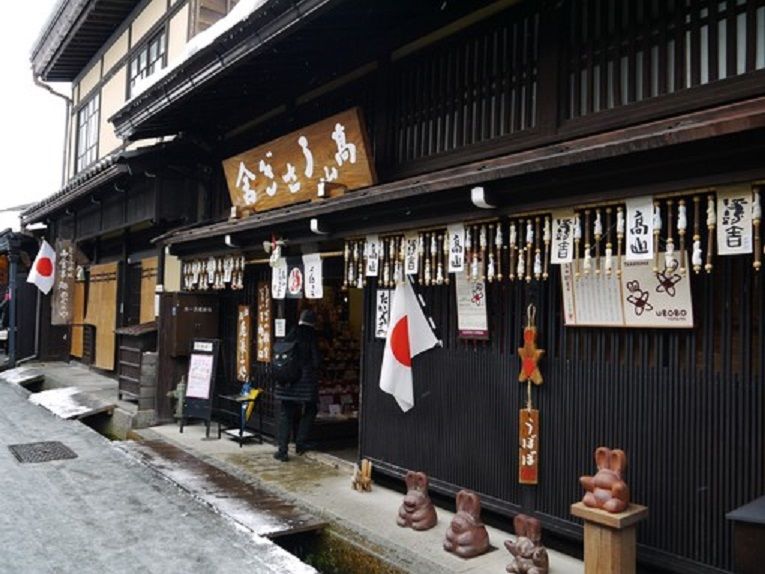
(528, 451)
(303, 165)
(243, 343)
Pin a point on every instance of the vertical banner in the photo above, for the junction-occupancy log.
(279, 279)
(372, 249)
(382, 312)
(295, 278)
(562, 237)
(734, 220)
(456, 238)
(243, 343)
(63, 286)
(528, 451)
(411, 240)
(264, 323)
(313, 276)
(639, 224)
(472, 322)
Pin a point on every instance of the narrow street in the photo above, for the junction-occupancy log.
(105, 512)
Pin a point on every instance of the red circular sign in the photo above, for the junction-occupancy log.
(45, 267)
(399, 342)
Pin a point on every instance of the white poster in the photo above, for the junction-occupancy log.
(562, 237)
(411, 241)
(639, 227)
(279, 279)
(456, 237)
(313, 276)
(382, 312)
(280, 327)
(472, 322)
(200, 375)
(734, 220)
(372, 249)
(641, 298)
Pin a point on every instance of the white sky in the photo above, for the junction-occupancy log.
(31, 119)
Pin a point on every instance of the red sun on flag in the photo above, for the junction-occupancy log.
(44, 266)
(399, 342)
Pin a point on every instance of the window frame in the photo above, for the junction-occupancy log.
(88, 117)
(144, 49)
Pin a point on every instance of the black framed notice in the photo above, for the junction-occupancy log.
(200, 382)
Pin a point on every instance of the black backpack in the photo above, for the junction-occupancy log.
(286, 367)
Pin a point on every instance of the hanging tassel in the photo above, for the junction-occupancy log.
(696, 256)
(711, 224)
(669, 254)
(656, 235)
(482, 242)
(577, 240)
(513, 239)
(490, 266)
(619, 239)
(537, 251)
(598, 232)
(682, 225)
(529, 244)
(607, 262)
(547, 240)
(587, 255)
(439, 259)
(499, 244)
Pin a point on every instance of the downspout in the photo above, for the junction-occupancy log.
(65, 155)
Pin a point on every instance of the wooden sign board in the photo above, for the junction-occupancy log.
(264, 322)
(528, 450)
(203, 364)
(63, 288)
(302, 165)
(243, 343)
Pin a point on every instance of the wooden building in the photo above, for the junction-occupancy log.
(579, 105)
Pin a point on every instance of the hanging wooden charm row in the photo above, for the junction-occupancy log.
(213, 273)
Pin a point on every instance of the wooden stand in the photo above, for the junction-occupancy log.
(609, 539)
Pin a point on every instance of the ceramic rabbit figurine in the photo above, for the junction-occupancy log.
(606, 489)
(467, 536)
(529, 556)
(417, 511)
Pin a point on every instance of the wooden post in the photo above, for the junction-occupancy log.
(609, 539)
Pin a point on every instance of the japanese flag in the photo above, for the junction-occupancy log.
(43, 269)
(409, 334)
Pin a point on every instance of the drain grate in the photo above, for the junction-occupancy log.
(41, 451)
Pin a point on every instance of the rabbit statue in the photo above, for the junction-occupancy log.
(607, 490)
(529, 556)
(467, 536)
(417, 510)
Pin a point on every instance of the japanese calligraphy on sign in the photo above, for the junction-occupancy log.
(279, 279)
(472, 321)
(411, 264)
(313, 276)
(562, 237)
(639, 224)
(456, 239)
(264, 323)
(243, 343)
(63, 287)
(302, 165)
(382, 313)
(528, 451)
(734, 220)
(372, 250)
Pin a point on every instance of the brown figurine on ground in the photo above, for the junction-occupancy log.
(417, 511)
(606, 489)
(467, 536)
(529, 556)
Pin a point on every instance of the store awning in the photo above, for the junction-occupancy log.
(515, 175)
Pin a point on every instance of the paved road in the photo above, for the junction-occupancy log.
(105, 512)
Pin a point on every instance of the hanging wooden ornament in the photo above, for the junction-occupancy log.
(682, 225)
(529, 245)
(482, 243)
(439, 259)
(513, 247)
(445, 255)
(696, 256)
(529, 355)
(608, 259)
(468, 251)
(421, 258)
(346, 257)
(577, 240)
(521, 270)
(426, 239)
(587, 265)
(537, 251)
(598, 232)
(547, 240)
(491, 266)
(499, 243)
(756, 217)
(619, 239)
(711, 224)
(361, 279)
(656, 235)
(669, 249)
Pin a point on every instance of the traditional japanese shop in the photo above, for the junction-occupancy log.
(547, 168)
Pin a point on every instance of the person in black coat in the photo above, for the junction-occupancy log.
(300, 398)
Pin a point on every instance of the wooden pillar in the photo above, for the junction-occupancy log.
(609, 539)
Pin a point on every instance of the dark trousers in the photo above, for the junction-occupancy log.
(287, 413)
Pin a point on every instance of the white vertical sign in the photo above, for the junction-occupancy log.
(313, 276)
(382, 313)
(372, 248)
(734, 220)
(456, 237)
(411, 240)
(279, 279)
(639, 244)
(562, 237)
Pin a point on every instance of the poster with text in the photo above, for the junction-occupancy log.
(734, 220)
(472, 321)
(562, 237)
(313, 276)
(382, 312)
(639, 227)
